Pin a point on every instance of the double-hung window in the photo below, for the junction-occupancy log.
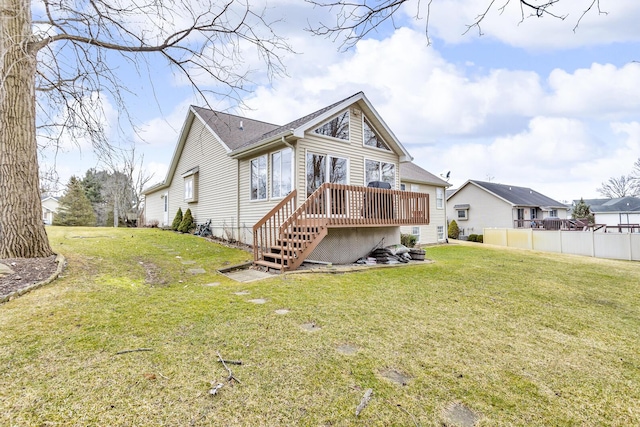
(190, 178)
(439, 198)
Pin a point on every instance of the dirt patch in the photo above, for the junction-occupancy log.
(24, 272)
(310, 327)
(395, 376)
(347, 349)
(153, 274)
(460, 415)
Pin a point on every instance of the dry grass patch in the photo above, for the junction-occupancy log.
(516, 338)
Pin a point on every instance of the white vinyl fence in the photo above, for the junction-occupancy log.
(624, 246)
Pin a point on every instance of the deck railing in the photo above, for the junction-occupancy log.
(266, 232)
(333, 205)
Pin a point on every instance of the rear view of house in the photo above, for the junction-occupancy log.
(324, 187)
(477, 205)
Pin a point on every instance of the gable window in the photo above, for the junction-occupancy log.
(371, 138)
(380, 171)
(190, 178)
(259, 178)
(338, 127)
(439, 198)
(281, 173)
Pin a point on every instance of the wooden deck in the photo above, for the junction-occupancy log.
(289, 233)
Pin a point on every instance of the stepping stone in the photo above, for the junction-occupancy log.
(258, 301)
(212, 284)
(347, 349)
(395, 376)
(310, 327)
(282, 311)
(460, 415)
(5, 269)
(188, 262)
(196, 270)
(241, 293)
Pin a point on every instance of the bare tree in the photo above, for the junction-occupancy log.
(619, 187)
(355, 19)
(124, 187)
(65, 60)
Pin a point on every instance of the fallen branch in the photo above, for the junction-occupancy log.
(230, 362)
(365, 401)
(134, 350)
(230, 377)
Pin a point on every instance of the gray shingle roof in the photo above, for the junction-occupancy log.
(519, 196)
(411, 172)
(620, 204)
(227, 127)
(253, 132)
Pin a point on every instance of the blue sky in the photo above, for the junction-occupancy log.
(529, 103)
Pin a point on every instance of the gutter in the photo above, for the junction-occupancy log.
(259, 147)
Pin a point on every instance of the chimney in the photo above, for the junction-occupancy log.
(241, 125)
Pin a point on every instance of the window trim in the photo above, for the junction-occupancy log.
(466, 214)
(266, 180)
(440, 233)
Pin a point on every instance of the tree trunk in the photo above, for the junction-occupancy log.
(22, 232)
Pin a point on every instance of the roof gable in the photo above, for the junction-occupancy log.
(516, 196)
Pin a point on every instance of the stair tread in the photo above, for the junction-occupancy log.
(269, 264)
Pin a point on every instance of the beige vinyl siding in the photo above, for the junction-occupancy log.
(154, 207)
(353, 149)
(216, 184)
(437, 217)
(486, 210)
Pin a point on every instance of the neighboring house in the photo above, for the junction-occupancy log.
(622, 210)
(294, 192)
(477, 205)
(49, 209)
(414, 178)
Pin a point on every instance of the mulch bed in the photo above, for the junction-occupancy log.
(26, 272)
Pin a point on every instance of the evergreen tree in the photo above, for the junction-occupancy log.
(177, 220)
(187, 222)
(453, 232)
(75, 208)
(582, 210)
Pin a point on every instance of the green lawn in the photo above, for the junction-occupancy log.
(516, 338)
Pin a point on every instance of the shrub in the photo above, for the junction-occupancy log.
(480, 238)
(408, 240)
(453, 232)
(473, 238)
(187, 222)
(177, 220)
